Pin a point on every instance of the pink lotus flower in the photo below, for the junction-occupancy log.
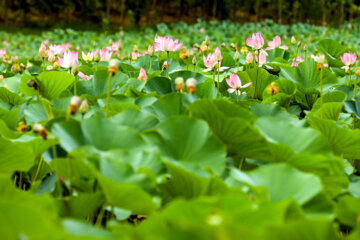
(83, 76)
(167, 44)
(5, 42)
(114, 46)
(202, 30)
(2, 52)
(235, 83)
(276, 44)
(348, 59)
(56, 49)
(87, 57)
(105, 55)
(70, 60)
(135, 55)
(262, 59)
(256, 41)
(142, 75)
(213, 61)
(296, 60)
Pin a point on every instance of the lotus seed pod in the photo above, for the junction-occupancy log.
(84, 107)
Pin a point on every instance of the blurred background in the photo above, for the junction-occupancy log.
(74, 13)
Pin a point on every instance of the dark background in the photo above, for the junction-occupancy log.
(64, 13)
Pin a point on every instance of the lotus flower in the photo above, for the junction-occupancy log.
(262, 59)
(276, 44)
(213, 60)
(105, 55)
(87, 57)
(320, 59)
(296, 60)
(142, 75)
(57, 49)
(256, 41)
(2, 52)
(348, 59)
(83, 76)
(235, 83)
(70, 60)
(167, 44)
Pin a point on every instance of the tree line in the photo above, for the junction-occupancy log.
(127, 12)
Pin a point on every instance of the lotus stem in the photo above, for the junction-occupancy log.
(256, 80)
(75, 87)
(150, 64)
(168, 65)
(100, 216)
(38, 169)
(321, 94)
(218, 82)
(355, 86)
(108, 95)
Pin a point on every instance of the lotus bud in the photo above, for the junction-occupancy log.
(151, 50)
(51, 58)
(97, 55)
(207, 40)
(244, 50)
(142, 75)
(179, 83)
(84, 107)
(164, 66)
(40, 130)
(305, 47)
(74, 105)
(273, 89)
(249, 58)
(237, 55)
(184, 54)
(293, 40)
(1, 77)
(42, 50)
(22, 127)
(49, 68)
(113, 66)
(357, 71)
(194, 60)
(299, 43)
(191, 85)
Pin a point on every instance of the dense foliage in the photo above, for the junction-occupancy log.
(45, 13)
(220, 133)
